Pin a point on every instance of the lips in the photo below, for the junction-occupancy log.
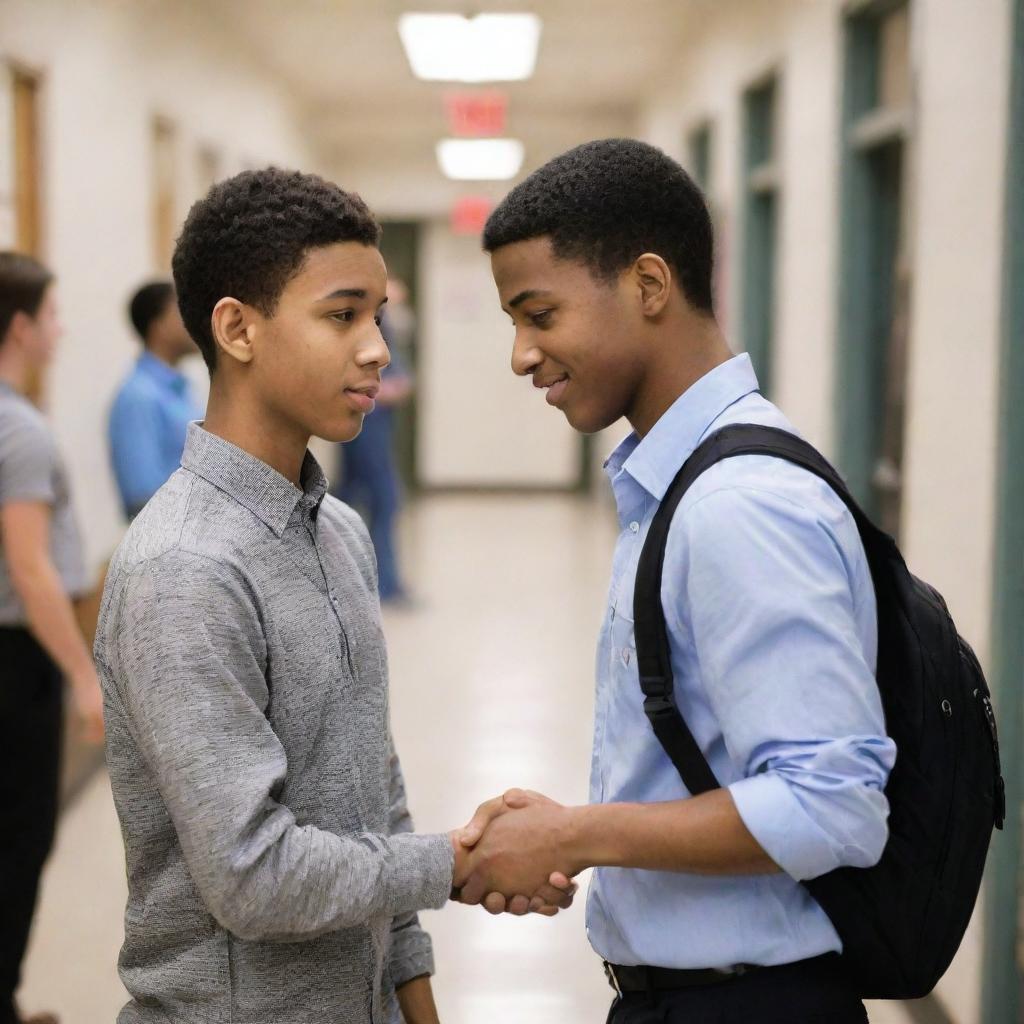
(556, 393)
(363, 398)
(555, 387)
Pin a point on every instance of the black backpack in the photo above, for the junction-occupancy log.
(901, 921)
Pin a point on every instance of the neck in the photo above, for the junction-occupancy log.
(681, 358)
(170, 358)
(13, 369)
(239, 419)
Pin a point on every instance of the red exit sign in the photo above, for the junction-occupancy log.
(469, 215)
(479, 114)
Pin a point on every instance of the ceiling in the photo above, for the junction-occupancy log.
(373, 123)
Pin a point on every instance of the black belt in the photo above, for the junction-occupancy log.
(658, 979)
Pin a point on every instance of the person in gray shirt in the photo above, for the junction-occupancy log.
(273, 872)
(41, 571)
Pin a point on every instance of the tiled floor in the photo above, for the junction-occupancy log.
(491, 687)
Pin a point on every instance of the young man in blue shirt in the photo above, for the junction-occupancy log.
(154, 406)
(602, 259)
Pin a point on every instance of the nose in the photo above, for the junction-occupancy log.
(376, 351)
(526, 357)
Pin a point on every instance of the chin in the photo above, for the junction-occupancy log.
(588, 421)
(339, 433)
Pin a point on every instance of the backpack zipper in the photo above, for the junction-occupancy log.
(982, 695)
(1000, 786)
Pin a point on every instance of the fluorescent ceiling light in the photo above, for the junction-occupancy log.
(487, 48)
(480, 159)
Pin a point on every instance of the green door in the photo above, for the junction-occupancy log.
(760, 216)
(875, 271)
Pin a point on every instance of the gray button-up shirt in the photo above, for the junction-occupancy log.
(273, 876)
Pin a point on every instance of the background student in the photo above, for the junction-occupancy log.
(41, 571)
(155, 404)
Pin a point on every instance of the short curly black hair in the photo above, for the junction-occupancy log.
(607, 202)
(249, 236)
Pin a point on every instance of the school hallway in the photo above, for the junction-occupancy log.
(491, 682)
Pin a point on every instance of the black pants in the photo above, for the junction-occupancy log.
(30, 744)
(809, 992)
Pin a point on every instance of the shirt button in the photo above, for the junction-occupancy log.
(634, 527)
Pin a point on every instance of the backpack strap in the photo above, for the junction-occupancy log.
(653, 656)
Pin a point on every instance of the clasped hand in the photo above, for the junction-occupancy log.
(513, 858)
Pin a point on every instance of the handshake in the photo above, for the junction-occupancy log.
(515, 856)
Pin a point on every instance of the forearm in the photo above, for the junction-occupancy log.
(288, 883)
(416, 998)
(703, 835)
(51, 618)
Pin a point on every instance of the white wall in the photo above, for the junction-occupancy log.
(740, 42)
(107, 69)
(961, 62)
(961, 139)
(479, 425)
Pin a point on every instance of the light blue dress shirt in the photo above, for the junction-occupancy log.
(772, 626)
(148, 423)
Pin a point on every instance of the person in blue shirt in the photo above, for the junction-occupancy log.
(369, 478)
(154, 405)
(603, 260)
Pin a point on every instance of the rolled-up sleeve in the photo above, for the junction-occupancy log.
(775, 630)
(411, 954)
(189, 661)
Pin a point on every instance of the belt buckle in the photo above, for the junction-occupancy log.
(732, 971)
(609, 972)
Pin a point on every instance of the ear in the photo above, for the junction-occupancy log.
(655, 280)
(20, 325)
(232, 326)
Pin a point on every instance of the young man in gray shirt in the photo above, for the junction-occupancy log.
(273, 872)
(41, 572)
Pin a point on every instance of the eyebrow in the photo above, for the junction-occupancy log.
(349, 293)
(530, 293)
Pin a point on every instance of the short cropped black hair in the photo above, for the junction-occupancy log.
(148, 304)
(607, 202)
(23, 283)
(249, 236)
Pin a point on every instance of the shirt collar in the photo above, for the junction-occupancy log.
(252, 483)
(165, 375)
(654, 460)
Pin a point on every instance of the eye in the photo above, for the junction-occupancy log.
(345, 316)
(542, 318)
(378, 319)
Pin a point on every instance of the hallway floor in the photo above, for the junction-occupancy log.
(491, 677)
